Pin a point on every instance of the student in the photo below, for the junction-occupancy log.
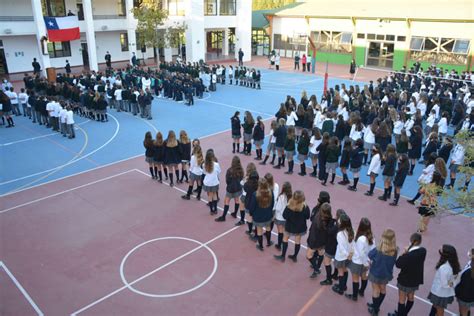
(23, 100)
(258, 137)
(400, 176)
(70, 123)
(158, 158)
(445, 150)
(388, 172)
(443, 125)
(248, 125)
(185, 155)
(382, 261)
(411, 264)
(357, 154)
(290, 148)
(344, 251)
(425, 177)
(233, 177)
(250, 187)
(195, 172)
(317, 238)
(457, 161)
(296, 214)
(271, 144)
(171, 156)
(431, 146)
(359, 264)
(330, 249)
(303, 149)
(403, 143)
(261, 209)
(236, 134)
(414, 151)
(279, 208)
(148, 144)
(211, 173)
(322, 147)
(428, 201)
(332, 156)
(62, 119)
(345, 160)
(299, 124)
(314, 142)
(374, 168)
(280, 139)
(465, 288)
(369, 139)
(442, 290)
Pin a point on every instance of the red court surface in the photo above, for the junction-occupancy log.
(113, 242)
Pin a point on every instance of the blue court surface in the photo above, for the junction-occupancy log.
(32, 154)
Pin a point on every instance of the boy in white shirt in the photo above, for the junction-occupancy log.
(14, 101)
(23, 99)
(70, 123)
(62, 121)
(118, 98)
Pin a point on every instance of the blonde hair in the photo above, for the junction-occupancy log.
(183, 137)
(159, 139)
(171, 140)
(388, 243)
(297, 201)
(197, 152)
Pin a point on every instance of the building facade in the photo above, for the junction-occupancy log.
(214, 29)
(383, 35)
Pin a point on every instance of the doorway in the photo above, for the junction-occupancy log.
(214, 42)
(3, 63)
(85, 55)
(380, 54)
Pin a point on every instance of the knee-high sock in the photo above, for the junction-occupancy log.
(171, 177)
(363, 286)
(156, 171)
(236, 208)
(319, 261)
(260, 240)
(177, 174)
(355, 289)
(284, 248)
(408, 306)
(151, 171)
(268, 235)
(280, 238)
(226, 209)
(328, 269)
(242, 216)
(297, 249)
(160, 175)
(250, 226)
(401, 310)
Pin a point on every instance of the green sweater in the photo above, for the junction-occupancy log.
(303, 146)
(289, 144)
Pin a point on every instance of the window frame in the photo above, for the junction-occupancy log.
(179, 8)
(47, 10)
(54, 52)
(210, 4)
(228, 4)
(124, 46)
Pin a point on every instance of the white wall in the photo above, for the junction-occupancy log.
(110, 41)
(16, 8)
(105, 7)
(25, 45)
(75, 59)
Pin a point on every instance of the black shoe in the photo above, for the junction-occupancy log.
(382, 198)
(269, 243)
(293, 257)
(253, 238)
(411, 202)
(393, 203)
(368, 193)
(277, 246)
(185, 197)
(352, 297)
(233, 214)
(220, 219)
(337, 290)
(352, 188)
(259, 247)
(239, 223)
(279, 258)
(263, 163)
(326, 282)
(315, 274)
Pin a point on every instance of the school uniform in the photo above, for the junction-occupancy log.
(262, 216)
(195, 170)
(369, 138)
(415, 151)
(211, 179)
(355, 134)
(314, 143)
(442, 294)
(345, 159)
(357, 155)
(400, 177)
(258, 135)
(332, 157)
(279, 208)
(159, 154)
(233, 185)
(62, 121)
(402, 147)
(431, 147)
(280, 137)
(289, 147)
(303, 149)
(318, 234)
(171, 155)
(411, 265)
(295, 222)
(465, 288)
(381, 267)
(249, 189)
(344, 247)
(149, 154)
(247, 131)
(389, 168)
(331, 241)
(185, 152)
(360, 258)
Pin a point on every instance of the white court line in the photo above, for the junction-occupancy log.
(117, 129)
(21, 288)
(65, 191)
(237, 107)
(37, 137)
(154, 271)
(305, 247)
(293, 83)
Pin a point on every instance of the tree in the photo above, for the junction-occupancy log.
(151, 19)
(270, 4)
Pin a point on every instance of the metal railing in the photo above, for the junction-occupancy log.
(16, 18)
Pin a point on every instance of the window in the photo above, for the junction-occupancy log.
(390, 38)
(330, 41)
(53, 7)
(440, 50)
(59, 49)
(346, 38)
(124, 42)
(227, 7)
(176, 7)
(416, 43)
(121, 9)
(371, 36)
(360, 35)
(461, 46)
(380, 37)
(210, 7)
(401, 38)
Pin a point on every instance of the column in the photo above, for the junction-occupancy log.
(90, 35)
(131, 27)
(225, 44)
(243, 31)
(195, 33)
(40, 32)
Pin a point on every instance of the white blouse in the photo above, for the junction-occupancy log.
(194, 167)
(344, 247)
(291, 119)
(212, 179)
(361, 251)
(313, 145)
(444, 281)
(280, 206)
(443, 125)
(374, 166)
(397, 127)
(369, 136)
(355, 135)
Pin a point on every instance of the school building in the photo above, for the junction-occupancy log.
(214, 30)
(379, 34)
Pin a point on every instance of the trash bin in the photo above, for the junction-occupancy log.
(51, 74)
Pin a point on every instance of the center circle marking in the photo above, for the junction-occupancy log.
(130, 285)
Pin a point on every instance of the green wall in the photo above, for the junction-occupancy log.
(334, 58)
(425, 65)
(360, 56)
(398, 59)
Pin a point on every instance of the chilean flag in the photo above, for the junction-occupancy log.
(62, 29)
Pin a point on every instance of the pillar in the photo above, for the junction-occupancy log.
(225, 44)
(195, 33)
(90, 35)
(131, 27)
(40, 32)
(243, 31)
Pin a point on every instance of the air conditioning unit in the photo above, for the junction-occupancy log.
(104, 27)
(7, 31)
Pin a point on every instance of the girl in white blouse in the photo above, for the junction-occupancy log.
(211, 173)
(344, 252)
(374, 168)
(445, 280)
(280, 205)
(314, 142)
(443, 125)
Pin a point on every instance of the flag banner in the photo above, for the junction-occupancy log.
(62, 29)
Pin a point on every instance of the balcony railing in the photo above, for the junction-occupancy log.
(109, 17)
(16, 18)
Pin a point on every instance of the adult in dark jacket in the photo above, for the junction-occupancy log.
(236, 133)
(411, 264)
(261, 209)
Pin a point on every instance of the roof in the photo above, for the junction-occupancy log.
(421, 10)
(259, 19)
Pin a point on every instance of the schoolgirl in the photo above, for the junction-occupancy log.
(292, 117)
(341, 128)
(397, 128)
(369, 139)
(357, 129)
(233, 178)
(457, 160)
(359, 264)
(400, 176)
(271, 144)
(383, 137)
(322, 147)
(428, 201)
(230, 74)
(425, 177)
(318, 234)
(333, 152)
(261, 209)
(414, 147)
(258, 79)
(345, 160)
(344, 251)
(290, 148)
(299, 124)
(172, 156)
(185, 153)
(195, 173)
(382, 261)
(158, 157)
(411, 264)
(295, 214)
(330, 249)
(149, 152)
(248, 125)
(357, 154)
(273, 186)
(443, 125)
(258, 137)
(442, 290)
(430, 121)
(236, 134)
(314, 142)
(303, 149)
(390, 159)
(279, 208)
(431, 146)
(465, 288)
(374, 168)
(211, 173)
(281, 114)
(402, 143)
(250, 187)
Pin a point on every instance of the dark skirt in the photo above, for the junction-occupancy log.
(440, 301)
(407, 289)
(376, 280)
